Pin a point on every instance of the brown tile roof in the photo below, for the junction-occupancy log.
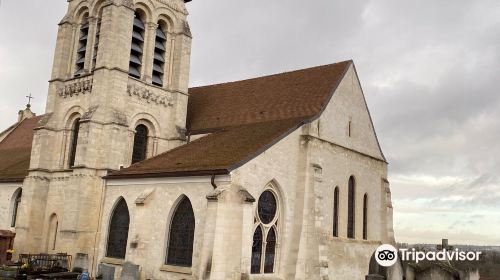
(246, 118)
(301, 93)
(15, 151)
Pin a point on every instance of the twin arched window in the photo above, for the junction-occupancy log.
(181, 233)
(74, 142)
(137, 50)
(118, 231)
(140, 149)
(265, 235)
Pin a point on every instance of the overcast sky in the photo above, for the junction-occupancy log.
(430, 71)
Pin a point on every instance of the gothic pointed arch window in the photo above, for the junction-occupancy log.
(265, 238)
(16, 199)
(81, 50)
(365, 216)
(137, 45)
(336, 212)
(159, 53)
(118, 231)
(181, 235)
(74, 142)
(351, 208)
(140, 149)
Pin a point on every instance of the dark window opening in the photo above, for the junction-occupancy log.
(365, 217)
(336, 212)
(270, 251)
(351, 209)
(256, 251)
(118, 231)
(140, 144)
(17, 200)
(74, 142)
(181, 238)
(96, 42)
(267, 207)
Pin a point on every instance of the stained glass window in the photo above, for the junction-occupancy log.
(181, 238)
(256, 251)
(118, 231)
(264, 253)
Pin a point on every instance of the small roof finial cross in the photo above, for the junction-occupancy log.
(29, 100)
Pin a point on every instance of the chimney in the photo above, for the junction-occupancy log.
(25, 114)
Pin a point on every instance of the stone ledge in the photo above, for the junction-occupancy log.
(113, 261)
(176, 269)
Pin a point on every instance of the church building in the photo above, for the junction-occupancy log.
(277, 177)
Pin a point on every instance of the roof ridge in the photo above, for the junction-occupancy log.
(275, 74)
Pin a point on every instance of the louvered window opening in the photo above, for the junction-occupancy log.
(96, 43)
(181, 236)
(137, 49)
(350, 208)
(159, 56)
(82, 48)
(140, 143)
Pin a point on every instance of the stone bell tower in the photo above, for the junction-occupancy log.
(118, 64)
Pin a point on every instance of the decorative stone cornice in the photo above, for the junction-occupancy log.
(149, 96)
(80, 86)
(175, 5)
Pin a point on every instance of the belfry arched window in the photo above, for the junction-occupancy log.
(266, 234)
(137, 46)
(181, 235)
(336, 212)
(140, 143)
(15, 206)
(74, 142)
(96, 41)
(159, 54)
(118, 231)
(82, 46)
(351, 208)
(365, 216)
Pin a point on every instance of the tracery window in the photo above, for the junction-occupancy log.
(118, 231)
(140, 143)
(137, 46)
(181, 235)
(74, 142)
(15, 206)
(265, 235)
(159, 54)
(365, 216)
(350, 208)
(82, 46)
(336, 212)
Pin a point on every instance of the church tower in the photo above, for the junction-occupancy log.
(118, 94)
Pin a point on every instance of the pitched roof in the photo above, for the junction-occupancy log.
(245, 118)
(15, 151)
